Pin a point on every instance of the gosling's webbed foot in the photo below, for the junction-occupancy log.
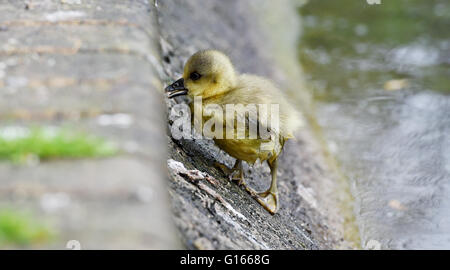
(269, 200)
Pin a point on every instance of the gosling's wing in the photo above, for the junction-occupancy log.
(256, 126)
(253, 89)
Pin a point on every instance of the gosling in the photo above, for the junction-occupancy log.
(209, 74)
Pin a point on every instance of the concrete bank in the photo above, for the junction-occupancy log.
(86, 66)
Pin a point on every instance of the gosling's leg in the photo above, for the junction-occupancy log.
(234, 174)
(269, 199)
(238, 173)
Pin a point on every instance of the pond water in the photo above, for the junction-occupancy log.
(380, 75)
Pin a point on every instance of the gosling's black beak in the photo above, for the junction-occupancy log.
(176, 89)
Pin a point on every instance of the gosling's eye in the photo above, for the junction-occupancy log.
(195, 76)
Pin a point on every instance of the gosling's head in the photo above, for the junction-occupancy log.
(206, 73)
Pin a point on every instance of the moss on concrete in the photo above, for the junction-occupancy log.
(21, 229)
(19, 144)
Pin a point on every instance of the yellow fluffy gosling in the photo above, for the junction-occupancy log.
(211, 75)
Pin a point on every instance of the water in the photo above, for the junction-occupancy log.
(381, 81)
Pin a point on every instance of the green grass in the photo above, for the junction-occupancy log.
(18, 144)
(19, 229)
